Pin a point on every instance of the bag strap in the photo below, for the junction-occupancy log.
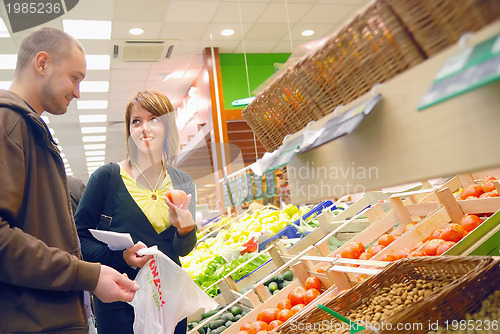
(112, 183)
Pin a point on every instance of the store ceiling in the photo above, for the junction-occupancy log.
(261, 26)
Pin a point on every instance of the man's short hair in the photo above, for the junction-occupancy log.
(55, 42)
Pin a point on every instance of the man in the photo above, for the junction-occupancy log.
(42, 275)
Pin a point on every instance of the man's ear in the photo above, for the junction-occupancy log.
(41, 62)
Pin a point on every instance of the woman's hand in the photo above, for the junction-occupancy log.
(130, 256)
(179, 216)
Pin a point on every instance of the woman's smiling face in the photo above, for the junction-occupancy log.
(147, 130)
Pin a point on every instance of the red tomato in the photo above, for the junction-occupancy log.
(487, 184)
(470, 222)
(269, 314)
(313, 282)
(311, 294)
(365, 256)
(285, 303)
(436, 233)
(245, 326)
(356, 245)
(388, 258)
(257, 326)
(409, 226)
(489, 194)
(374, 249)
(322, 268)
(472, 190)
(285, 314)
(444, 247)
(402, 254)
(431, 246)
(453, 232)
(385, 239)
(416, 253)
(297, 308)
(177, 197)
(297, 295)
(274, 324)
(348, 252)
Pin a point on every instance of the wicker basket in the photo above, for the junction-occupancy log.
(453, 303)
(436, 24)
(372, 48)
(447, 269)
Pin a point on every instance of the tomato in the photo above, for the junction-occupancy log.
(297, 295)
(285, 314)
(257, 326)
(416, 253)
(472, 190)
(402, 254)
(388, 257)
(436, 233)
(297, 308)
(471, 197)
(385, 239)
(487, 184)
(313, 282)
(269, 314)
(453, 232)
(409, 226)
(365, 256)
(243, 332)
(470, 222)
(489, 194)
(431, 246)
(356, 245)
(444, 247)
(245, 326)
(274, 324)
(177, 197)
(350, 252)
(311, 294)
(285, 303)
(374, 249)
(323, 268)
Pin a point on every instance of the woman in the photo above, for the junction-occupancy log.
(138, 203)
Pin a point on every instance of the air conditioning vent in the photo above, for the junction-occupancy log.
(143, 50)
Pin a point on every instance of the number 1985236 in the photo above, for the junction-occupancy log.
(472, 325)
(33, 8)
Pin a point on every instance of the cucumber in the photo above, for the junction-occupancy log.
(236, 310)
(209, 314)
(227, 316)
(219, 329)
(192, 324)
(288, 275)
(216, 323)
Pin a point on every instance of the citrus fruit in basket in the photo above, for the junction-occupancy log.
(470, 222)
(312, 282)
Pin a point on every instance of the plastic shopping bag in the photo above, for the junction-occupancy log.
(167, 295)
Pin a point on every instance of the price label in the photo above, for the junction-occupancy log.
(259, 192)
(232, 192)
(270, 184)
(225, 191)
(249, 186)
(241, 190)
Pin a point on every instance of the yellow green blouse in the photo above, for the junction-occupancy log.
(151, 203)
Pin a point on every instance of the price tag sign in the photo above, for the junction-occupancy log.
(232, 192)
(467, 70)
(225, 191)
(259, 192)
(241, 190)
(270, 184)
(249, 186)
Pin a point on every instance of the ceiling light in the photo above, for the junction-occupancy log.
(94, 86)
(136, 31)
(88, 29)
(4, 33)
(92, 104)
(94, 153)
(100, 158)
(306, 33)
(90, 139)
(5, 84)
(94, 146)
(95, 163)
(8, 61)
(94, 129)
(98, 62)
(227, 32)
(93, 118)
